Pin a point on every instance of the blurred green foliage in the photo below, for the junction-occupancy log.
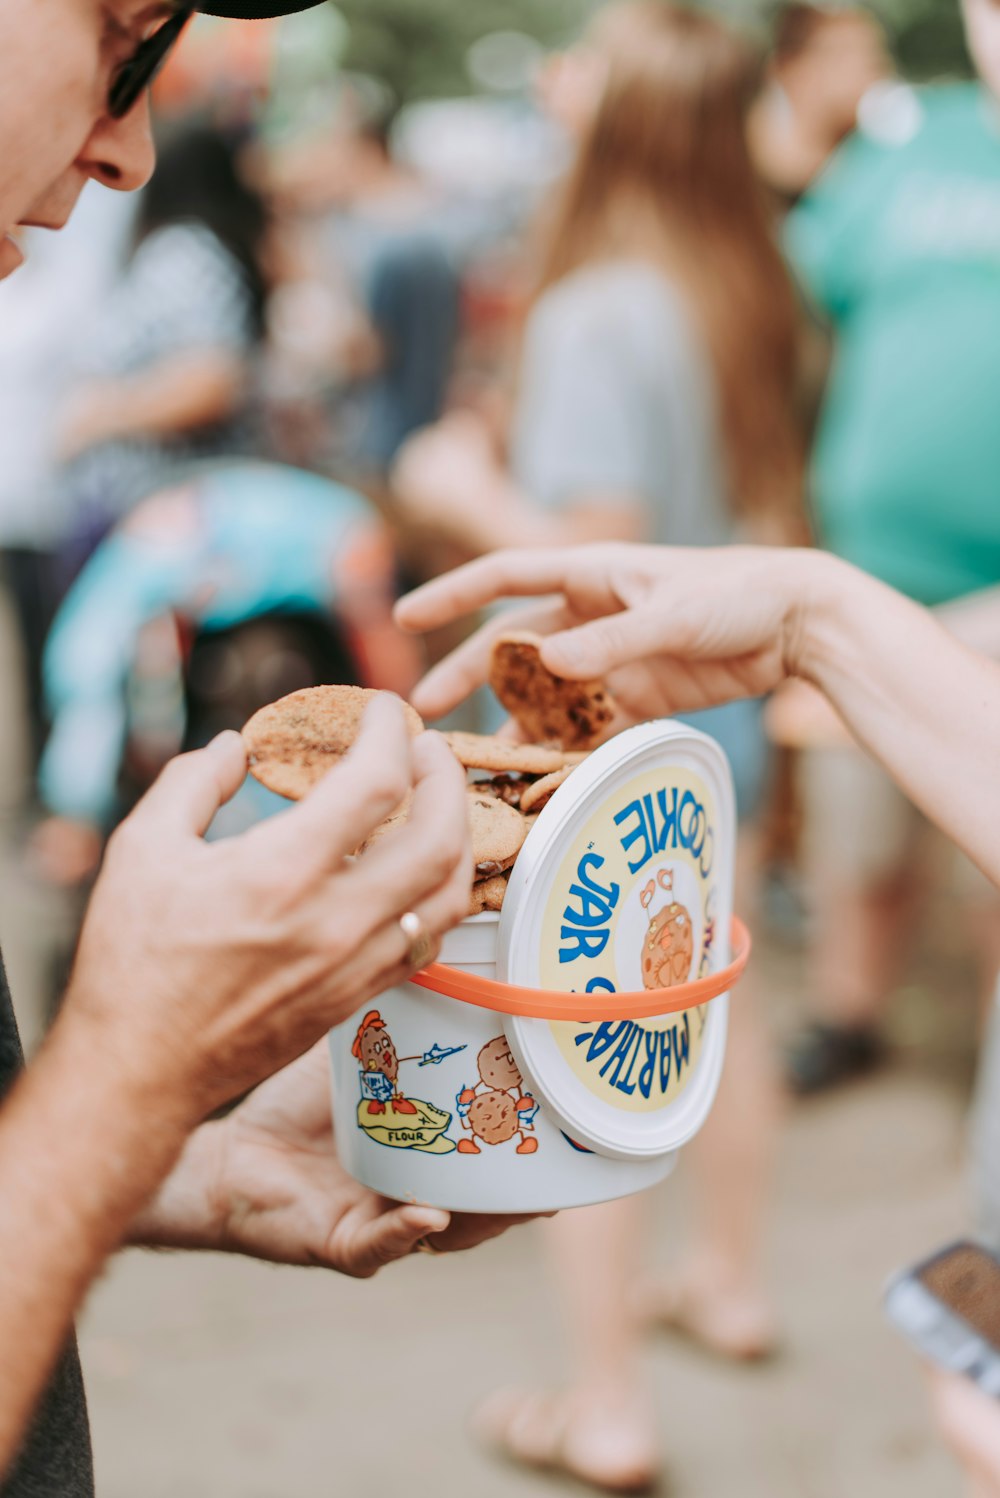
(420, 47)
(930, 40)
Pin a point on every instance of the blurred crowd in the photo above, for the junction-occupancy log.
(682, 292)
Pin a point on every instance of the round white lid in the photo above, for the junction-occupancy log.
(626, 882)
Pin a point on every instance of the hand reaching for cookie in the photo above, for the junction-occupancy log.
(670, 630)
(677, 629)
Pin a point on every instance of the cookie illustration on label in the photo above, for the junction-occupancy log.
(293, 742)
(668, 946)
(549, 709)
(496, 1107)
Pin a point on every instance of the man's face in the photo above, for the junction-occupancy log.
(982, 26)
(57, 61)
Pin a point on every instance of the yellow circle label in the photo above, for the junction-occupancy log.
(634, 906)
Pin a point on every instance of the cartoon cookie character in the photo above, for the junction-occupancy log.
(497, 1108)
(668, 946)
(374, 1049)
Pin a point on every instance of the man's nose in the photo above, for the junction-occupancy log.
(120, 153)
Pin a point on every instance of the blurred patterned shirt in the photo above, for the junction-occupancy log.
(183, 291)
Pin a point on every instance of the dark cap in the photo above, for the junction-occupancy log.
(255, 10)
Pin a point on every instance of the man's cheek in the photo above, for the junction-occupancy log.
(56, 204)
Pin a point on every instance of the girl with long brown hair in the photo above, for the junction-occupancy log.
(656, 386)
(655, 400)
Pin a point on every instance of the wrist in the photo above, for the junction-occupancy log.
(114, 1148)
(125, 1070)
(143, 1061)
(187, 1212)
(821, 613)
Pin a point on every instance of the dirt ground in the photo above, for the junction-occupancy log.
(215, 1378)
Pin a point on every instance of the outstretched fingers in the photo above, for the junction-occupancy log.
(468, 666)
(502, 574)
(600, 646)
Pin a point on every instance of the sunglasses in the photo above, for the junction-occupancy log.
(134, 76)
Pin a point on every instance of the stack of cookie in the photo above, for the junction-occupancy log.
(293, 742)
(511, 784)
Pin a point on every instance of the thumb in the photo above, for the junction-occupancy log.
(192, 787)
(391, 1235)
(594, 649)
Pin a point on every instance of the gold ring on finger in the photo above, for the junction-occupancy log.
(420, 942)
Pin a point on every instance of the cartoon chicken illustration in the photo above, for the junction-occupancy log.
(384, 1113)
(497, 1107)
(373, 1047)
(668, 946)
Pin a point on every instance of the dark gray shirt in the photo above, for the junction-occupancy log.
(55, 1461)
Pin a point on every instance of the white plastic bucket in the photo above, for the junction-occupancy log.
(464, 1107)
(414, 1158)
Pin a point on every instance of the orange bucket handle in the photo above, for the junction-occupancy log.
(547, 1003)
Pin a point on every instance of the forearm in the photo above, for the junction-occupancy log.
(503, 513)
(83, 1143)
(180, 395)
(921, 702)
(186, 1211)
(498, 515)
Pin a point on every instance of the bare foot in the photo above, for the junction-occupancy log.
(609, 1446)
(735, 1322)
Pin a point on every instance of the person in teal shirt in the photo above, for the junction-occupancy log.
(898, 245)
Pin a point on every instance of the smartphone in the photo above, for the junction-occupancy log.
(949, 1308)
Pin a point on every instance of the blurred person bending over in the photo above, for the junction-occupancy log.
(825, 61)
(653, 400)
(897, 243)
(248, 582)
(173, 1009)
(167, 378)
